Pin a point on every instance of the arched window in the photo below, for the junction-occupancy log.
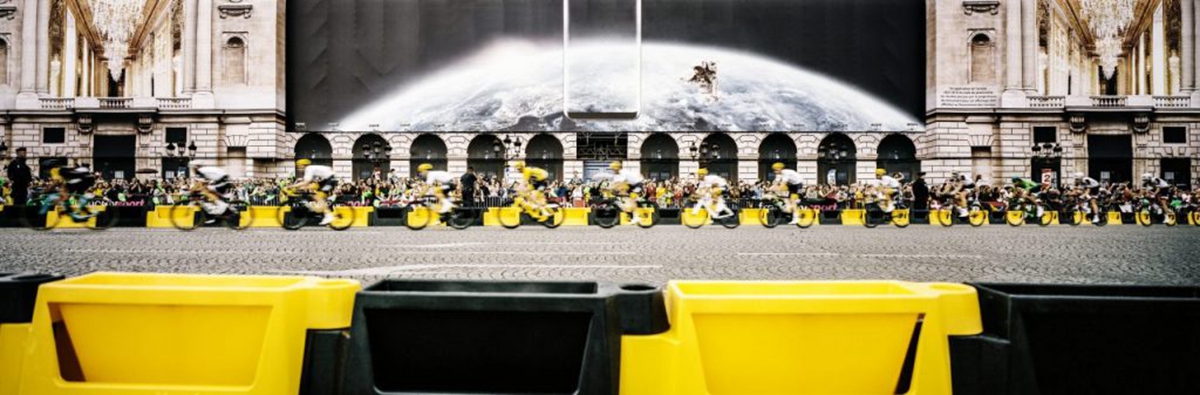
(983, 67)
(234, 56)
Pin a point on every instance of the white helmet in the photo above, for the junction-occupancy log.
(1079, 174)
(1147, 176)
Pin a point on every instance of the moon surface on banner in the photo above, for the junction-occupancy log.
(518, 85)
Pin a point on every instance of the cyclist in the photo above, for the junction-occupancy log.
(74, 181)
(321, 180)
(1158, 187)
(440, 182)
(629, 183)
(1026, 190)
(713, 185)
(215, 185)
(791, 179)
(530, 186)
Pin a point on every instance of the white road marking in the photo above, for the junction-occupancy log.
(383, 271)
(252, 252)
(834, 254)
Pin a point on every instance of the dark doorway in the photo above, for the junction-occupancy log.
(898, 154)
(427, 148)
(1177, 171)
(1110, 158)
(776, 148)
(486, 155)
(836, 159)
(546, 152)
(660, 157)
(718, 153)
(114, 156)
(371, 152)
(315, 148)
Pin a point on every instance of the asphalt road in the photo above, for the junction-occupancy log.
(1114, 254)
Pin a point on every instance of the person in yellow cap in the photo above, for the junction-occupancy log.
(886, 187)
(629, 182)
(438, 182)
(532, 184)
(790, 179)
(320, 179)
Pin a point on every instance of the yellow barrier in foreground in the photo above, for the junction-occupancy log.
(734, 338)
(176, 334)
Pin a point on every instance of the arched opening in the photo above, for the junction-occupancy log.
(776, 148)
(546, 152)
(898, 154)
(660, 157)
(836, 158)
(486, 155)
(316, 148)
(718, 154)
(983, 66)
(427, 148)
(234, 56)
(371, 154)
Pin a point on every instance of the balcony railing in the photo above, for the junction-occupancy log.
(1047, 101)
(1172, 101)
(115, 103)
(1108, 101)
(174, 103)
(57, 103)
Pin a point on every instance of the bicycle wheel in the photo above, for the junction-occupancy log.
(1101, 219)
(343, 216)
(871, 221)
(37, 217)
(697, 220)
(420, 216)
(770, 216)
(945, 217)
(606, 215)
(556, 218)
(806, 218)
(1169, 218)
(1196, 218)
(187, 216)
(238, 216)
(294, 215)
(102, 217)
(510, 221)
(1072, 217)
(461, 218)
(1015, 220)
(1144, 218)
(648, 221)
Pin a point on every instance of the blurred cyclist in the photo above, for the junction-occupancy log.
(714, 186)
(628, 183)
(439, 182)
(215, 185)
(794, 183)
(321, 180)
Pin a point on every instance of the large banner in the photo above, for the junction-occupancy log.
(621, 65)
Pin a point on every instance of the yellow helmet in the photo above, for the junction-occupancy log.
(303, 162)
(778, 166)
(424, 167)
(615, 165)
(701, 172)
(519, 165)
(880, 172)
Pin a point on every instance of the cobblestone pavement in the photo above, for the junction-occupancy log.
(1114, 254)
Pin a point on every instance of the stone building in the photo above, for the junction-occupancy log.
(1022, 88)
(1014, 88)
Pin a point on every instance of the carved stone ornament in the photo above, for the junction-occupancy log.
(981, 6)
(145, 124)
(85, 124)
(1141, 123)
(1078, 123)
(235, 10)
(8, 11)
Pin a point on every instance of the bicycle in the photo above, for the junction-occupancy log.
(426, 211)
(701, 216)
(1030, 210)
(47, 211)
(608, 212)
(190, 213)
(296, 211)
(874, 215)
(551, 215)
(1146, 211)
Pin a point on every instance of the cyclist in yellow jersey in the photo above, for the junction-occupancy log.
(627, 182)
(533, 182)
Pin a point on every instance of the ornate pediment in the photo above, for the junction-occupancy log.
(235, 9)
(981, 6)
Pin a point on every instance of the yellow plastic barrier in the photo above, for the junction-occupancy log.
(1014, 217)
(492, 216)
(576, 216)
(362, 215)
(265, 217)
(66, 222)
(160, 218)
(751, 216)
(799, 338)
(12, 343)
(686, 216)
(936, 216)
(1114, 218)
(421, 215)
(853, 217)
(645, 212)
(177, 334)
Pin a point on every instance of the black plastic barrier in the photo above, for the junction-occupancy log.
(447, 337)
(18, 293)
(1069, 339)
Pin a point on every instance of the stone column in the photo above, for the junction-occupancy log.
(1013, 46)
(1158, 54)
(68, 62)
(189, 46)
(1196, 52)
(29, 46)
(1029, 44)
(204, 46)
(1187, 55)
(43, 49)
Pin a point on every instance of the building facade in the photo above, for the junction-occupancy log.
(1014, 88)
(1020, 89)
